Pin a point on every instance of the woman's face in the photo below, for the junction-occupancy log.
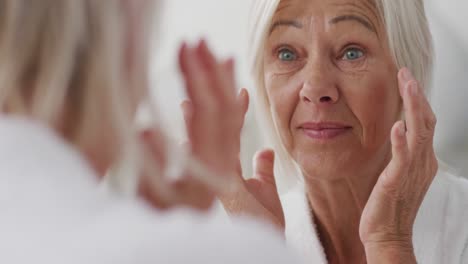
(332, 85)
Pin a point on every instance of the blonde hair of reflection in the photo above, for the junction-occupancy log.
(409, 39)
(62, 61)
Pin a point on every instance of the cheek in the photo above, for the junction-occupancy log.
(376, 105)
(283, 95)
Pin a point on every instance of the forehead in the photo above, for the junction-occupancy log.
(302, 9)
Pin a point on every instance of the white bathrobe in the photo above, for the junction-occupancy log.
(53, 211)
(440, 231)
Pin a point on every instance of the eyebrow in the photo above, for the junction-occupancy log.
(283, 23)
(355, 18)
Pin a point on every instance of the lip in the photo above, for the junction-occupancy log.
(324, 130)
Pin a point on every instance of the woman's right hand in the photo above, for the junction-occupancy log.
(214, 117)
(260, 196)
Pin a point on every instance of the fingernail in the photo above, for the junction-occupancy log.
(407, 75)
(243, 92)
(265, 155)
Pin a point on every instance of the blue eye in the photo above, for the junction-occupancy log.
(286, 55)
(353, 54)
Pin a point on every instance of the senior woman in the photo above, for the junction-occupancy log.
(72, 73)
(342, 86)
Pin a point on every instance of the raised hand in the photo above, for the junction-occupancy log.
(214, 117)
(388, 218)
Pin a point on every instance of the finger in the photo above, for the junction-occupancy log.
(182, 58)
(154, 143)
(203, 110)
(216, 73)
(231, 70)
(195, 79)
(229, 79)
(151, 196)
(411, 102)
(405, 76)
(207, 58)
(243, 101)
(420, 119)
(400, 161)
(243, 105)
(264, 166)
(187, 110)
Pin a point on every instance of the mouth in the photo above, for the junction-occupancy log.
(324, 130)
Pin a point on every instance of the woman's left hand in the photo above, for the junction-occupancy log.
(387, 220)
(162, 193)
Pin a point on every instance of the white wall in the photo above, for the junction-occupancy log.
(224, 25)
(450, 91)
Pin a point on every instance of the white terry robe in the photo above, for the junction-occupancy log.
(53, 211)
(440, 233)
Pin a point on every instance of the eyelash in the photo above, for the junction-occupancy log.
(284, 47)
(340, 59)
(349, 47)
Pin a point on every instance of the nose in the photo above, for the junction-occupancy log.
(318, 86)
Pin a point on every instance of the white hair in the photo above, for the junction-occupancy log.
(81, 68)
(64, 63)
(409, 39)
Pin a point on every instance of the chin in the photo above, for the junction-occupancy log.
(334, 164)
(325, 165)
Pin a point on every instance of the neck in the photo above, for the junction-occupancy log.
(337, 206)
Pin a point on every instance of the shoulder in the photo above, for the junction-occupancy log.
(440, 231)
(32, 155)
(27, 141)
(182, 236)
(64, 219)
